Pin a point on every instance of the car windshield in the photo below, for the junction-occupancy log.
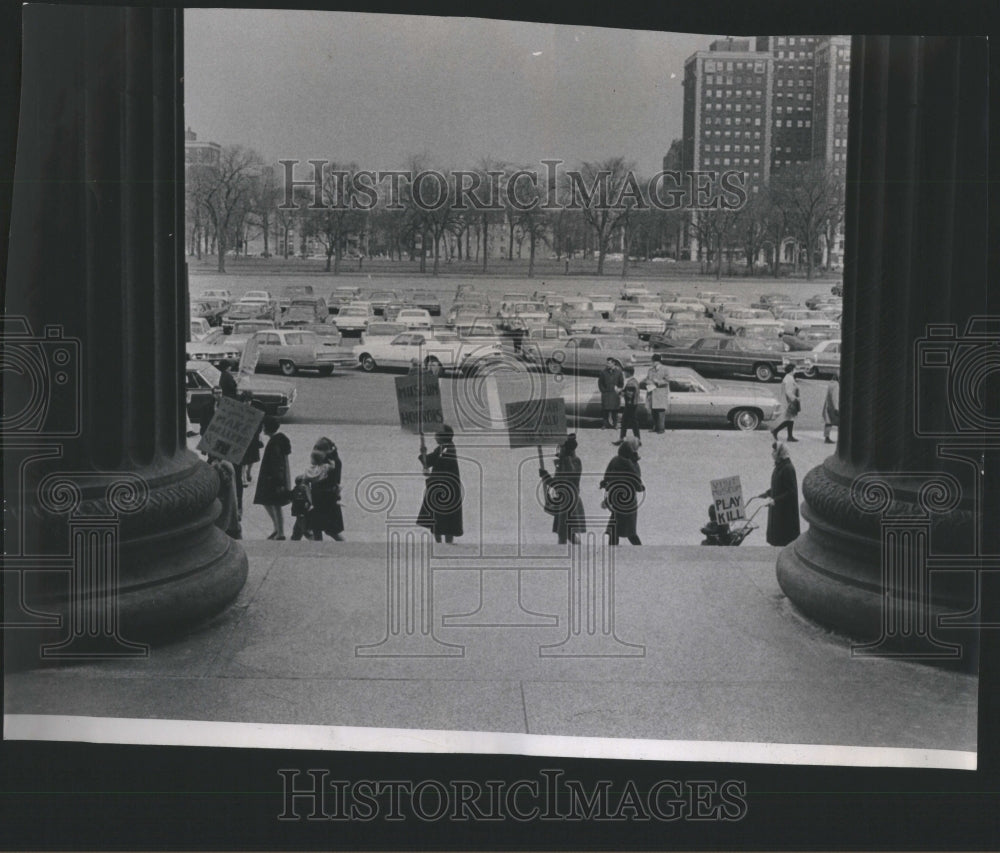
(523, 307)
(210, 374)
(354, 312)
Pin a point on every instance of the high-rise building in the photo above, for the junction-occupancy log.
(832, 71)
(727, 107)
(792, 98)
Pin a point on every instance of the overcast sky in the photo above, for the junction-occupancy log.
(375, 89)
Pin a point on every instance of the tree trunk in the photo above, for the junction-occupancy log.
(221, 244)
(531, 255)
(437, 253)
(337, 255)
(600, 259)
(486, 243)
(510, 243)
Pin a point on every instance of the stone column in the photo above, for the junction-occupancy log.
(915, 273)
(96, 278)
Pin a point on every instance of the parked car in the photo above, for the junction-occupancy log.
(216, 293)
(251, 308)
(769, 301)
(414, 318)
(768, 330)
(620, 330)
(354, 319)
(342, 296)
(713, 300)
(467, 311)
(586, 354)
(537, 338)
(818, 300)
(382, 331)
(645, 321)
(793, 319)
(274, 396)
(391, 310)
(729, 319)
(822, 360)
(380, 298)
(603, 303)
(242, 331)
(693, 303)
(426, 300)
(215, 348)
(630, 291)
(292, 350)
(672, 318)
(553, 301)
(292, 292)
(448, 353)
(680, 335)
(806, 339)
(525, 312)
(210, 310)
(305, 311)
(668, 295)
(199, 328)
(692, 399)
(576, 320)
(515, 296)
(725, 356)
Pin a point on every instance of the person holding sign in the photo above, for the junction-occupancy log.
(441, 510)
(274, 486)
(563, 493)
(783, 512)
(622, 482)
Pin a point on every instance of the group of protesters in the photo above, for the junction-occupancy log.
(620, 389)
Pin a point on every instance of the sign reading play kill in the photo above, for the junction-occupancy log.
(233, 426)
(727, 495)
(536, 422)
(419, 407)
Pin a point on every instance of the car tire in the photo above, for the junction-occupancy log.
(745, 420)
(554, 367)
(287, 367)
(763, 372)
(367, 363)
(434, 366)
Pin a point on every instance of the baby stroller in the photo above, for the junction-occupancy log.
(723, 534)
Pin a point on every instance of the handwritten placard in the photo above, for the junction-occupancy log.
(727, 496)
(233, 426)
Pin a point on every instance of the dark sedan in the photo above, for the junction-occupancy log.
(724, 356)
(273, 396)
(426, 300)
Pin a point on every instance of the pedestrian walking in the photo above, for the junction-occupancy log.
(228, 519)
(610, 382)
(622, 482)
(630, 407)
(831, 408)
(326, 515)
(793, 404)
(273, 479)
(441, 510)
(657, 387)
(227, 382)
(563, 493)
(783, 509)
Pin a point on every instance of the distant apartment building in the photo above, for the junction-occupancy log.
(792, 98)
(831, 74)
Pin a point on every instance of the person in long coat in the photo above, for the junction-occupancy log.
(658, 392)
(274, 485)
(793, 403)
(831, 408)
(441, 510)
(569, 521)
(610, 382)
(326, 515)
(622, 482)
(783, 511)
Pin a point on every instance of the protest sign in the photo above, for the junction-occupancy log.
(418, 396)
(536, 422)
(233, 426)
(727, 496)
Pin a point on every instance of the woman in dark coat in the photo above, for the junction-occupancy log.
(441, 510)
(326, 515)
(565, 490)
(622, 482)
(783, 513)
(274, 483)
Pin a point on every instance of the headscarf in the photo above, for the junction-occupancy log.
(781, 452)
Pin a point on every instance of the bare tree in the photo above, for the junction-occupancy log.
(599, 189)
(340, 217)
(805, 191)
(226, 191)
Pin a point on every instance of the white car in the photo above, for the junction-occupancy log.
(822, 359)
(793, 319)
(713, 301)
(603, 303)
(436, 354)
(645, 321)
(630, 291)
(730, 319)
(692, 302)
(514, 314)
(414, 318)
(199, 328)
(382, 331)
(215, 348)
(354, 319)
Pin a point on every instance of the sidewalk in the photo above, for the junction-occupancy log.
(676, 468)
